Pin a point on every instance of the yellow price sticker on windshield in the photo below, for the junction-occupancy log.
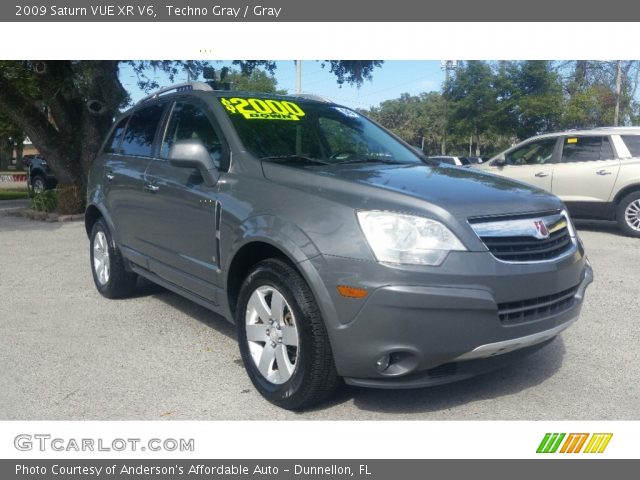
(572, 140)
(262, 108)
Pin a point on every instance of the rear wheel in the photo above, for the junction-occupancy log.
(107, 265)
(38, 184)
(628, 214)
(283, 341)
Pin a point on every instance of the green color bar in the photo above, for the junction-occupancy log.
(543, 443)
(558, 442)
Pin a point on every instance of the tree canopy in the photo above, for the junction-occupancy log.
(490, 105)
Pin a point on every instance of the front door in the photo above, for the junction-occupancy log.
(185, 212)
(531, 163)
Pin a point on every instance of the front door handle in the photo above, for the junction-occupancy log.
(603, 172)
(110, 176)
(541, 174)
(150, 187)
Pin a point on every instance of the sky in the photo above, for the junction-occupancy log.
(389, 81)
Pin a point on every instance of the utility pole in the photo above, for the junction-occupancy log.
(298, 76)
(447, 66)
(616, 114)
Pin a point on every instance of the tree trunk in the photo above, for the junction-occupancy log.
(6, 151)
(70, 115)
(19, 149)
(616, 114)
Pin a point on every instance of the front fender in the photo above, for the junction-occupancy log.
(275, 231)
(295, 244)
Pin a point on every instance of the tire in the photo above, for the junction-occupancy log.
(38, 184)
(628, 214)
(301, 344)
(112, 280)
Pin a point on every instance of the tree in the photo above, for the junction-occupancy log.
(530, 99)
(473, 100)
(600, 93)
(418, 120)
(256, 81)
(67, 107)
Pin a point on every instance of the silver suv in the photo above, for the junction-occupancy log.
(595, 172)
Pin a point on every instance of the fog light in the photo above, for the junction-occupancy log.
(383, 363)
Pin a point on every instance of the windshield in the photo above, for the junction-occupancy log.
(313, 132)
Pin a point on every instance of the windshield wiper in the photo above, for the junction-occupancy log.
(370, 160)
(295, 158)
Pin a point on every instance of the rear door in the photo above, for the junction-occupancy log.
(532, 163)
(124, 175)
(184, 213)
(586, 172)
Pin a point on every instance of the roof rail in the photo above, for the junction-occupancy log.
(621, 127)
(180, 87)
(313, 96)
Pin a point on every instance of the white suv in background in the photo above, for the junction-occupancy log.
(595, 172)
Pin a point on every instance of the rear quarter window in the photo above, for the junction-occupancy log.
(585, 149)
(113, 143)
(633, 144)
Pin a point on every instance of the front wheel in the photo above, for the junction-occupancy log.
(628, 214)
(283, 340)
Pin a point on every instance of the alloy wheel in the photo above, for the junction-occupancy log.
(632, 215)
(101, 264)
(272, 334)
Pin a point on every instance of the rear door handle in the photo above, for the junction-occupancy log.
(603, 172)
(542, 174)
(151, 187)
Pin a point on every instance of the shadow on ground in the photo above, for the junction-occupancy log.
(521, 375)
(598, 226)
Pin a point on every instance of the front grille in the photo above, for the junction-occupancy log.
(520, 240)
(512, 313)
(527, 249)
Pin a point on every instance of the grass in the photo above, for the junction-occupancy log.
(13, 193)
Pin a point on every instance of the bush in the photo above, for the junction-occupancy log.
(45, 201)
(70, 199)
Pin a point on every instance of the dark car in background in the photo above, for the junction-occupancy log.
(40, 176)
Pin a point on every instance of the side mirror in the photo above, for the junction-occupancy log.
(499, 162)
(192, 153)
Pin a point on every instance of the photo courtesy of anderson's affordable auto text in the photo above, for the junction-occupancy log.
(419, 255)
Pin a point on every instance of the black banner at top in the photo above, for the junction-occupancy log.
(320, 11)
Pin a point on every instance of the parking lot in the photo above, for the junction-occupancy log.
(67, 353)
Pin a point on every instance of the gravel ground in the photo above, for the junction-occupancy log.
(67, 353)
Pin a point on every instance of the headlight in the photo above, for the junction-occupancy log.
(407, 239)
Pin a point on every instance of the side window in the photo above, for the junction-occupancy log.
(111, 146)
(586, 149)
(534, 153)
(138, 138)
(633, 144)
(190, 122)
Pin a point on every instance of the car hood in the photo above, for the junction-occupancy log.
(462, 192)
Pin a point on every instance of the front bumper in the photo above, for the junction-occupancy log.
(442, 324)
